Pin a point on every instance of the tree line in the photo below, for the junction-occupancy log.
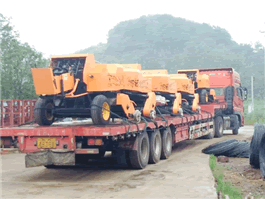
(16, 61)
(154, 41)
(164, 41)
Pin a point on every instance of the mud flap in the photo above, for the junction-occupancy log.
(44, 158)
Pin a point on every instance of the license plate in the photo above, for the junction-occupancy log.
(47, 143)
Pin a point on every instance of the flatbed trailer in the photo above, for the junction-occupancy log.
(136, 144)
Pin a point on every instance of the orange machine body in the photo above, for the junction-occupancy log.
(162, 83)
(47, 84)
(97, 77)
(78, 75)
(151, 72)
(184, 84)
(202, 80)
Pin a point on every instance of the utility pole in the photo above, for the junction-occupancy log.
(252, 92)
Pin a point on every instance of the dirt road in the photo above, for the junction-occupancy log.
(186, 174)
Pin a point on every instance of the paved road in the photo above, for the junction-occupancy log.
(186, 174)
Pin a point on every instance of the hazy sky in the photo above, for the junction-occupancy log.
(63, 27)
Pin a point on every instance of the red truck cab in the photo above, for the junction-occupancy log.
(227, 85)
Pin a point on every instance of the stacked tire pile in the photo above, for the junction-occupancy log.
(257, 148)
(229, 148)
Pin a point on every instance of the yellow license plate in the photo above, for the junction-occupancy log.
(46, 143)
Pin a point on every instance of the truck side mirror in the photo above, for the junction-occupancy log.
(245, 93)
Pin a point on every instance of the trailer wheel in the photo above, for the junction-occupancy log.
(166, 143)
(218, 126)
(43, 112)
(203, 96)
(100, 110)
(139, 157)
(155, 147)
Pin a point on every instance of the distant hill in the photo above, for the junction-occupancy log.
(164, 41)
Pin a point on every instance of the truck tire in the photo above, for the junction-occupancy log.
(100, 110)
(218, 127)
(43, 112)
(166, 143)
(235, 122)
(255, 144)
(235, 131)
(155, 146)
(139, 157)
(203, 96)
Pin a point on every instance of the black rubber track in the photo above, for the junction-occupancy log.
(229, 148)
(259, 131)
(262, 156)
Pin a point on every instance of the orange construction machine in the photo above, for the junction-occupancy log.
(76, 86)
(180, 85)
(165, 90)
(201, 84)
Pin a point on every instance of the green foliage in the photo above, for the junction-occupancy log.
(225, 187)
(16, 61)
(158, 41)
(212, 162)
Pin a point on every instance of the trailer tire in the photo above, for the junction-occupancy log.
(43, 112)
(166, 143)
(139, 158)
(203, 96)
(218, 127)
(155, 146)
(99, 110)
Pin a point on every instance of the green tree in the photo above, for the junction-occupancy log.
(16, 60)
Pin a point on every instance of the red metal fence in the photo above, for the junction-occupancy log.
(16, 112)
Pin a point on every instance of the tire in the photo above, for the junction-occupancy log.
(139, 158)
(255, 144)
(203, 96)
(99, 113)
(43, 113)
(218, 127)
(166, 143)
(155, 147)
(235, 131)
(262, 156)
(220, 148)
(235, 124)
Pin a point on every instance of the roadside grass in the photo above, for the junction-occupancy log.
(225, 187)
(258, 115)
(259, 196)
